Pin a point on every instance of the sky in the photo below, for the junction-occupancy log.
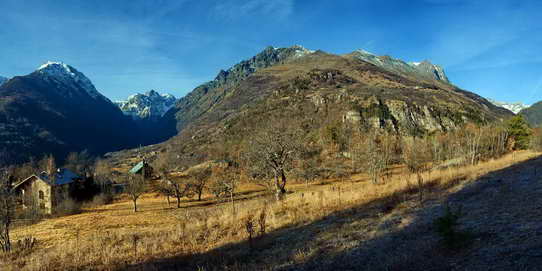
(489, 47)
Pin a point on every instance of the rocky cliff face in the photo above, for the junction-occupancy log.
(150, 105)
(423, 69)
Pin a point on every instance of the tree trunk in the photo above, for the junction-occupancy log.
(420, 188)
(232, 203)
(135, 205)
(280, 186)
(178, 201)
(5, 240)
(168, 202)
(199, 194)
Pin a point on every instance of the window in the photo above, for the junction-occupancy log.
(41, 195)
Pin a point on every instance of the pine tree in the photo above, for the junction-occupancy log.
(519, 131)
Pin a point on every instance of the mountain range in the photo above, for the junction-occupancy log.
(57, 109)
(321, 90)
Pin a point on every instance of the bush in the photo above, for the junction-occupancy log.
(102, 199)
(68, 207)
(446, 227)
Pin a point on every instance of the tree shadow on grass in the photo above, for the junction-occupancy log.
(502, 214)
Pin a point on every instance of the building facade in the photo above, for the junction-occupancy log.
(46, 191)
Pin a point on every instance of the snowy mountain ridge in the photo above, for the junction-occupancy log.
(424, 68)
(515, 107)
(149, 105)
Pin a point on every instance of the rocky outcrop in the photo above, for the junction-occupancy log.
(423, 69)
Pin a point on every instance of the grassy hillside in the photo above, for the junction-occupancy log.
(347, 224)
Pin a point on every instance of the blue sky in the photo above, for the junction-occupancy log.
(489, 47)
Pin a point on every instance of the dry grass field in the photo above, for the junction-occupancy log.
(319, 226)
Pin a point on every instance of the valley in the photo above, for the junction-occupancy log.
(293, 159)
(347, 223)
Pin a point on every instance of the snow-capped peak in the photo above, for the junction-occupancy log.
(301, 51)
(150, 104)
(415, 63)
(365, 52)
(68, 76)
(514, 107)
(61, 65)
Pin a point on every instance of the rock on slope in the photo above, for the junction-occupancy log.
(56, 109)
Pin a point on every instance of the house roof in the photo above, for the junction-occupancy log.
(63, 176)
(137, 168)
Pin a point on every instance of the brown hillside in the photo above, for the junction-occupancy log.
(318, 91)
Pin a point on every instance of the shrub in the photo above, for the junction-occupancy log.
(68, 207)
(446, 227)
(102, 199)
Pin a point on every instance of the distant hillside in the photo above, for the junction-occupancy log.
(57, 110)
(533, 114)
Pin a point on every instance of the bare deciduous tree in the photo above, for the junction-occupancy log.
(135, 187)
(102, 173)
(164, 186)
(80, 162)
(270, 156)
(199, 181)
(178, 188)
(416, 157)
(225, 183)
(375, 151)
(7, 208)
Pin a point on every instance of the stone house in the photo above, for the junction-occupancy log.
(45, 190)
